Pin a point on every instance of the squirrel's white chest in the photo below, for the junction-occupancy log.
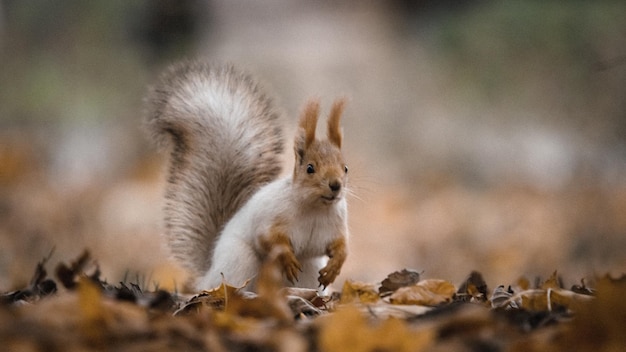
(310, 237)
(309, 231)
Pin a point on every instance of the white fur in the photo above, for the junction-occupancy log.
(310, 231)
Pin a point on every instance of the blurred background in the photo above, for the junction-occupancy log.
(480, 135)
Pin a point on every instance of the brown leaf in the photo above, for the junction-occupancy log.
(599, 325)
(547, 300)
(583, 289)
(69, 275)
(90, 297)
(473, 289)
(237, 306)
(399, 279)
(39, 286)
(523, 283)
(216, 298)
(269, 303)
(93, 312)
(431, 292)
(554, 281)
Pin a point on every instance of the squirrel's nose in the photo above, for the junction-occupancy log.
(335, 186)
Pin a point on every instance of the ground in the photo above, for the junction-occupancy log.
(73, 309)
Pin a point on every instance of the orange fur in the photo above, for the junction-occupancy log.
(278, 240)
(324, 156)
(334, 129)
(337, 253)
(308, 121)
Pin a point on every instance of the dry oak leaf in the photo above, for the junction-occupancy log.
(546, 300)
(354, 291)
(553, 282)
(583, 289)
(399, 279)
(215, 298)
(523, 284)
(599, 325)
(347, 329)
(431, 292)
(473, 289)
(84, 316)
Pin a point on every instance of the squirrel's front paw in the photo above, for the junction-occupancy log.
(291, 266)
(336, 252)
(329, 273)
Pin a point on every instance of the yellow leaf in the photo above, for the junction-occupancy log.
(223, 291)
(93, 312)
(546, 300)
(216, 298)
(430, 292)
(234, 323)
(358, 292)
(552, 282)
(534, 300)
(440, 287)
(523, 283)
(568, 299)
(348, 330)
(599, 324)
(90, 297)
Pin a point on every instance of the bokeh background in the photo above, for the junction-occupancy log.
(480, 135)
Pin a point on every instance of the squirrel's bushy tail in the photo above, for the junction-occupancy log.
(225, 141)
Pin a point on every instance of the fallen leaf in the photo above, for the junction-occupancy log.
(354, 291)
(547, 300)
(39, 286)
(523, 283)
(383, 310)
(501, 297)
(306, 293)
(583, 289)
(473, 289)
(553, 282)
(398, 279)
(216, 298)
(70, 275)
(599, 325)
(347, 329)
(431, 292)
(93, 313)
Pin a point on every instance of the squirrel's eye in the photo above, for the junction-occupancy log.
(310, 169)
(345, 168)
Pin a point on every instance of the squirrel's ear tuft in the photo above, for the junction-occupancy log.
(298, 148)
(334, 129)
(308, 123)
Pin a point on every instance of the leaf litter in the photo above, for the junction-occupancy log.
(78, 310)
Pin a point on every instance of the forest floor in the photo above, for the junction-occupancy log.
(74, 309)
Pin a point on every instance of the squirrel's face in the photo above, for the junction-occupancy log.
(321, 173)
(320, 170)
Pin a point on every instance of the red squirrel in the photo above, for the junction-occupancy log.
(226, 206)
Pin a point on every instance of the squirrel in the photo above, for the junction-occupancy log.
(226, 206)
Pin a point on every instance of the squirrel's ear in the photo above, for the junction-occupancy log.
(334, 129)
(299, 146)
(308, 123)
